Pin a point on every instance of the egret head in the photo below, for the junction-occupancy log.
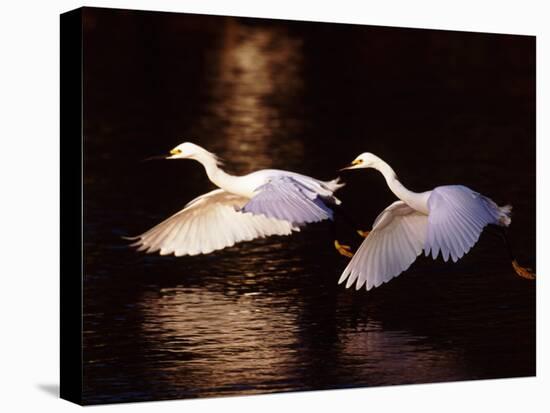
(188, 150)
(365, 160)
(184, 151)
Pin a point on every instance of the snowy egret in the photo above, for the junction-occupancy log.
(448, 219)
(262, 203)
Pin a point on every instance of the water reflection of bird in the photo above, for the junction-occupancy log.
(262, 203)
(447, 219)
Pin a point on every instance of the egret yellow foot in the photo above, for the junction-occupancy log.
(363, 234)
(523, 272)
(344, 250)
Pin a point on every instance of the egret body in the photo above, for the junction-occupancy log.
(447, 220)
(262, 203)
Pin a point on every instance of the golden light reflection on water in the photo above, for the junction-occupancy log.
(251, 332)
(394, 356)
(213, 340)
(257, 79)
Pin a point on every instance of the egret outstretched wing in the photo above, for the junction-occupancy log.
(210, 222)
(397, 238)
(457, 218)
(286, 198)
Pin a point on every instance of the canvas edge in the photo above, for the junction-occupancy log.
(71, 212)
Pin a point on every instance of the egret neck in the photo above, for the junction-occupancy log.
(220, 178)
(418, 201)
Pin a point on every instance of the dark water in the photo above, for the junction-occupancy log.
(268, 316)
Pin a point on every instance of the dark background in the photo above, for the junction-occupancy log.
(441, 107)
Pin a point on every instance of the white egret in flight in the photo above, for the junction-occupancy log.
(262, 203)
(448, 219)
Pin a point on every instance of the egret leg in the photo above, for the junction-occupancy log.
(344, 250)
(523, 272)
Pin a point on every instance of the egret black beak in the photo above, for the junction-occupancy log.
(154, 158)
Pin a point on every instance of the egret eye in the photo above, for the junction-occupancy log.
(175, 151)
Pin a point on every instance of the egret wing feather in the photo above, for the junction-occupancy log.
(397, 238)
(210, 222)
(286, 198)
(456, 219)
